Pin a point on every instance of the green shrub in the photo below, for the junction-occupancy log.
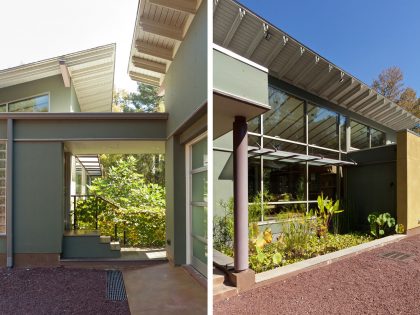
(380, 223)
(223, 228)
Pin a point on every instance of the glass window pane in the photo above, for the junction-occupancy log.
(322, 127)
(378, 138)
(199, 221)
(34, 104)
(284, 181)
(284, 146)
(323, 153)
(254, 177)
(322, 179)
(199, 154)
(200, 250)
(285, 211)
(199, 187)
(3, 108)
(254, 125)
(343, 132)
(359, 135)
(285, 119)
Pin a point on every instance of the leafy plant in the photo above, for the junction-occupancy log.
(327, 209)
(256, 208)
(223, 228)
(380, 223)
(399, 228)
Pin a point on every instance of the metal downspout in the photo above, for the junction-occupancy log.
(9, 195)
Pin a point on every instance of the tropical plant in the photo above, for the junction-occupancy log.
(326, 210)
(399, 228)
(223, 228)
(380, 223)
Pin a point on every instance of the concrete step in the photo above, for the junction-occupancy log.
(115, 246)
(104, 239)
(222, 288)
(223, 292)
(218, 277)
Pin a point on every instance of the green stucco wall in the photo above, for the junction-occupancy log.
(186, 79)
(176, 207)
(90, 129)
(38, 197)
(222, 172)
(74, 101)
(2, 245)
(60, 96)
(239, 78)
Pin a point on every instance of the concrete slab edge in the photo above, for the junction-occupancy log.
(293, 269)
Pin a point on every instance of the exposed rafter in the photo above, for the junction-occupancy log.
(385, 110)
(306, 70)
(262, 33)
(373, 108)
(149, 65)
(215, 4)
(145, 78)
(292, 61)
(234, 27)
(64, 73)
(274, 53)
(319, 77)
(400, 114)
(336, 80)
(346, 84)
(350, 94)
(153, 50)
(358, 99)
(188, 6)
(161, 29)
(364, 104)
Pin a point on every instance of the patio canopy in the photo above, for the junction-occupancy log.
(160, 28)
(243, 32)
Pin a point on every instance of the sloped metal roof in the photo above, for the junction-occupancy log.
(91, 72)
(243, 32)
(160, 28)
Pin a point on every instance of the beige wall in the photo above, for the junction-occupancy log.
(408, 179)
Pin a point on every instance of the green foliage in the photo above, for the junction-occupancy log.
(327, 209)
(151, 166)
(399, 228)
(380, 223)
(223, 228)
(146, 100)
(255, 207)
(128, 188)
(296, 234)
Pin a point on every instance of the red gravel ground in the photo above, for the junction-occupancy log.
(362, 284)
(56, 291)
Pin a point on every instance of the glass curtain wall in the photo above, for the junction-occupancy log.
(289, 185)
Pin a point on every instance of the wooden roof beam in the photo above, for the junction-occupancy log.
(234, 27)
(160, 29)
(149, 65)
(187, 6)
(153, 50)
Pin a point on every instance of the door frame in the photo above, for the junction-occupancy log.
(199, 265)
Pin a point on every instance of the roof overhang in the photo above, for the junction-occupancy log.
(90, 71)
(243, 32)
(160, 28)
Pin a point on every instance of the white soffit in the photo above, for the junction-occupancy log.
(160, 28)
(91, 72)
(243, 32)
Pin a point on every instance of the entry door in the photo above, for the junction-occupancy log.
(197, 212)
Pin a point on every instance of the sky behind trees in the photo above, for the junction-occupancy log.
(361, 37)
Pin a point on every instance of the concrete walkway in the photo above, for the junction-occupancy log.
(164, 289)
(384, 280)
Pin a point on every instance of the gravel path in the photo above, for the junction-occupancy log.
(56, 291)
(363, 284)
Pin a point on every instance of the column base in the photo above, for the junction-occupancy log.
(242, 280)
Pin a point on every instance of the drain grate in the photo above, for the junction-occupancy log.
(399, 256)
(115, 290)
